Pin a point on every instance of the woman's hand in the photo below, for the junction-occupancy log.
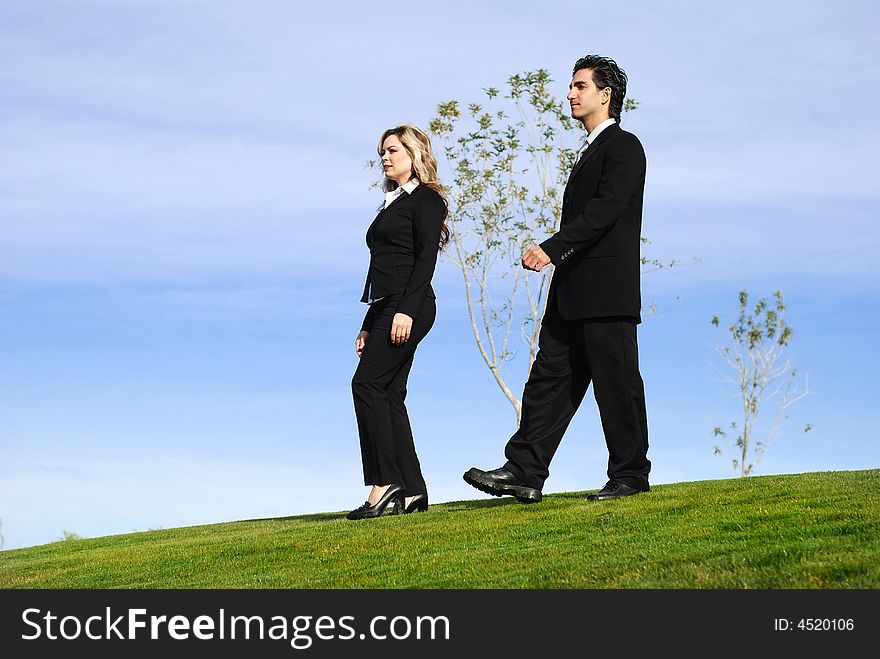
(401, 326)
(360, 342)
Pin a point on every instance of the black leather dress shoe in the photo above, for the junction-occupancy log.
(376, 509)
(499, 482)
(614, 490)
(418, 503)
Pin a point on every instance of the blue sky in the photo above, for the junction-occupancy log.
(183, 200)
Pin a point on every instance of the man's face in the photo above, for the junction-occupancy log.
(585, 98)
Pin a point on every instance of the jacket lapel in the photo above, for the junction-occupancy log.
(403, 195)
(591, 150)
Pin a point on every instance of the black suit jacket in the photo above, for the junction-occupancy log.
(404, 240)
(597, 248)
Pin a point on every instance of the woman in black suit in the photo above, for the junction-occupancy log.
(404, 241)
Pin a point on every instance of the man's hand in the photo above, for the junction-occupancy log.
(401, 326)
(535, 258)
(360, 342)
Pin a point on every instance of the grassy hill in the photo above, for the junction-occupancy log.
(816, 530)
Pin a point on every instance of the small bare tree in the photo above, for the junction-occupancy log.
(510, 158)
(756, 364)
(509, 164)
(69, 536)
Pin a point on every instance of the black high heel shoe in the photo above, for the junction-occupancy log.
(419, 503)
(374, 510)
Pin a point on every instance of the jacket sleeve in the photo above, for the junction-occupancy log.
(622, 169)
(427, 223)
(369, 319)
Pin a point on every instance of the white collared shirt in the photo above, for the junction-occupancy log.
(407, 187)
(592, 135)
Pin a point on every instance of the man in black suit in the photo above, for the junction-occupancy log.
(588, 332)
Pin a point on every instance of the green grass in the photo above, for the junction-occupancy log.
(816, 530)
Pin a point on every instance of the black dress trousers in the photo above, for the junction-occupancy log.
(571, 355)
(379, 389)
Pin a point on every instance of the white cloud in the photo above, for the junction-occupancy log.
(163, 140)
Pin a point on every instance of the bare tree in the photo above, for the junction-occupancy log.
(756, 364)
(67, 536)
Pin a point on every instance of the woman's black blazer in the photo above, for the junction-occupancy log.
(404, 240)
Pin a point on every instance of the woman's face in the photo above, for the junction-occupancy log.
(395, 160)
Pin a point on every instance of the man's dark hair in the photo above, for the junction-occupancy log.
(606, 73)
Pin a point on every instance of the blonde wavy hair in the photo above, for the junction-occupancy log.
(418, 146)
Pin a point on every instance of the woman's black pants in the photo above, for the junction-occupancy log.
(379, 389)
